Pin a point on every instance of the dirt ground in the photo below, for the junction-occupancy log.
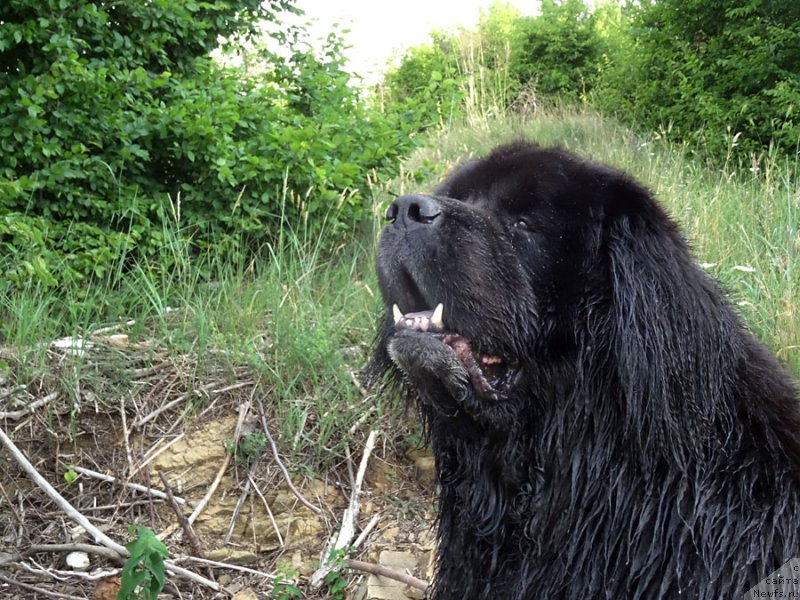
(242, 523)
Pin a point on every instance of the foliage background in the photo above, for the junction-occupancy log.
(121, 136)
(722, 76)
(115, 123)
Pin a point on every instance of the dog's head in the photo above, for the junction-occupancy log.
(503, 258)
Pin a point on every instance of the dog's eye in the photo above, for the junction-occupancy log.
(522, 224)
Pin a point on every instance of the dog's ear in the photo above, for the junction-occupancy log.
(670, 329)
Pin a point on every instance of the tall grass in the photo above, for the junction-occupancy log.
(298, 315)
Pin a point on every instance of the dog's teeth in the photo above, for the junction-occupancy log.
(436, 318)
(398, 315)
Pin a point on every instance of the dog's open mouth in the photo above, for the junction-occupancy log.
(488, 372)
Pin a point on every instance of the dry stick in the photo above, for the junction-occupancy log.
(156, 453)
(60, 575)
(243, 409)
(99, 536)
(38, 590)
(373, 569)
(240, 503)
(15, 415)
(367, 530)
(222, 565)
(209, 387)
(11, 391)
(277, 457)
(269, 511)
(349, 519)
(125, 434)
(88, 548)
(134, 486)
(187, 527)
(111, 328)
(236, 510)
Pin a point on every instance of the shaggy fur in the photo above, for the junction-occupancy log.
(603, 424)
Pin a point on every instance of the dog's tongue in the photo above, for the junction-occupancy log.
(424, 320)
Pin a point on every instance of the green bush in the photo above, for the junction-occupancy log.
(425, 89)
(723, 76)
(114, 121)
(559, 51)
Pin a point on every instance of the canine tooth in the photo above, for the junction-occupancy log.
(398, 315)
(436, 317)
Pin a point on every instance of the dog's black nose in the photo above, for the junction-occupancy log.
(413, 210)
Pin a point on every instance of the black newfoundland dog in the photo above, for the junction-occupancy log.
(604, 426)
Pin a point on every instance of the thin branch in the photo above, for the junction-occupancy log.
(60, 575)
(134, 486)
(38, 590)
(88, 548)
(187, 527)
(125, 434)
(243, 410)
(222, 565)
(152, 454)
(207, 388)
(81, 520)
(367, 530)
(382, 571)
(269, 511)
(236, 510)
(349, 519)
(15, 415)
(277, 457)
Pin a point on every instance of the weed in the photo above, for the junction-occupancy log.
(335, 581)
(143, 572)
(249, 448)
(284, 585)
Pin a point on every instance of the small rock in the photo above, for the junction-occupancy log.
(78, 561)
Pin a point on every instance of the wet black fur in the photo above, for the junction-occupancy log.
(649, 445)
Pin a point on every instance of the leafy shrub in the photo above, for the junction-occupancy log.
(558, 50)
(425, 88)
(114, 121)
(715, 74)
(143, 573)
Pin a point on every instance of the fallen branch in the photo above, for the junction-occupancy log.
(38, 590)
(277, 457)
(382, 571)
(222, 565)
(349, 520)
(152, 454)
(269, 510)
(187, 527)
(99, 536)
(366, 531)
(134, 486)
(88, 548)
(203, 389)
(243, 410)
(15, 415)
(61, 575)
